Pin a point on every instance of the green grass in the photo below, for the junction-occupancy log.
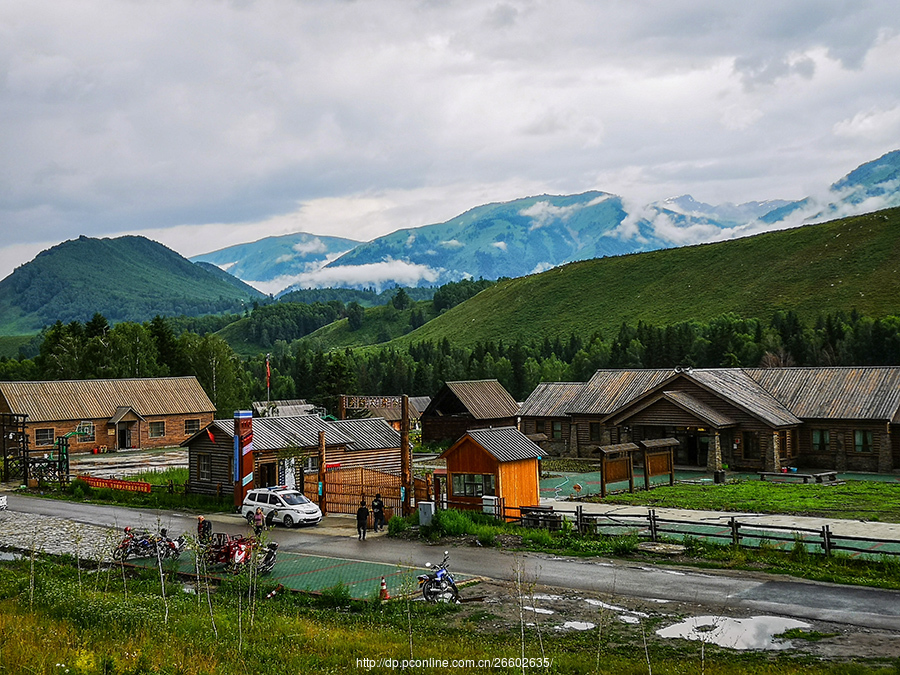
(55, 620)
(856, 500)
(79, 491)
(847, 264)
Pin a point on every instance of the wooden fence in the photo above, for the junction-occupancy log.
(344, 488)
(731, 531)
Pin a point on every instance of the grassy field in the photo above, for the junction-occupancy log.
(847, 264)
(56, 619)
(857, 500)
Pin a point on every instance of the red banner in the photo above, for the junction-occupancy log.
(129, 485)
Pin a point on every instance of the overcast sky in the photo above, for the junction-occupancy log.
(206, 123)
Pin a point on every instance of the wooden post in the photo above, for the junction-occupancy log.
(405, 454)
(323, 500)
(646, 468)
(342, 407)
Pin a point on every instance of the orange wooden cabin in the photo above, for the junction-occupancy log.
(500, 462)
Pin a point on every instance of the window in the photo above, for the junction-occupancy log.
(473, 484)
(88, 437)
(539, 426)
(204, 467)
(557, 430)
(862, 439)
(594, 432)
(157, 429)
(750, 441)
(821, 440)
(191, 427)
(44, 436)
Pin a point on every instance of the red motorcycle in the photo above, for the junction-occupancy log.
(235, 551)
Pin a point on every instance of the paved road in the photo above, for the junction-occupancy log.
(717, 591)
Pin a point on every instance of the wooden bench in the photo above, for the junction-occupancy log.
(822, 477)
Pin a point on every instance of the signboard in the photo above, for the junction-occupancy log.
(129, 485)
(369, 402)
(243, 454)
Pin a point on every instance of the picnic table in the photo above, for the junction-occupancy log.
(821, 477)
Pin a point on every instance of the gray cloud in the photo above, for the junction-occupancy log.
(246, 118)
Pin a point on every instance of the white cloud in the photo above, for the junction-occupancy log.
(500, 244)
(452, 243)
(543, 213)
(873, 124)
(314, 245)
(379, 275)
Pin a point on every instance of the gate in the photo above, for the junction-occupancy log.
(14, 446)
(344, 488)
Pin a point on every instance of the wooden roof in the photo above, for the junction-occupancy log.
(58, 400)
(302, 431)
(506, 444)
(370, 433)
(835, 393)
(482, 399)
(551, 399)
(781, 397)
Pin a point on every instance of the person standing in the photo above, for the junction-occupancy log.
(204, 530)
(377, 513)
(259, 521)
(362, 520)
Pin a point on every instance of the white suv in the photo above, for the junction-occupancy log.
(290, 507)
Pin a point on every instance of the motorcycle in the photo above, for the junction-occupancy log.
(145, 545)
(170, 548)
(439, 586)
(134, 544)
(235, 551)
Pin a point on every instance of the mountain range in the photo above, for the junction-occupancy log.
(533, 234)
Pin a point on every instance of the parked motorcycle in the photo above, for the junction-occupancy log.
(439, 586)
(267, 558)
(170, 548)
(142, 544)
(134, 544)
(235, 551)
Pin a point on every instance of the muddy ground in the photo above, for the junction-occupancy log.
(501, 607)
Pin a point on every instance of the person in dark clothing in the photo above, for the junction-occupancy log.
(204, 530)
(362, 520)
(377, 513)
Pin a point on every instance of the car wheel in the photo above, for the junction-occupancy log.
(287, 521)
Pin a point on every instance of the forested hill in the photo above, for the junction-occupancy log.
(125, 279)
(838, 266)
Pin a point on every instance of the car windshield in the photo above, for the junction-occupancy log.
(294, 499)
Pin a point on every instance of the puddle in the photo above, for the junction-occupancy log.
(615, 608)
(538, 610)
(577, 625)
(7, 556)
(625, 618)
(757, 632)
(189, 589)
(538, 596)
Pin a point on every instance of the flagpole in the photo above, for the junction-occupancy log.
(268, 381)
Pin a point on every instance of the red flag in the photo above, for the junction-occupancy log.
(268, 372)
(210, 434)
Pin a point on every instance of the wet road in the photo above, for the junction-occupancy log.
(717, 591)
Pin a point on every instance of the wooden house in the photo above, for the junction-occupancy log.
(285, 448)
(498, 462)
(543, 417)
(461, 406)
(117, 414)
(393, 415)
(845, 419)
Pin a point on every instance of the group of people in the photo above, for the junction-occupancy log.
(362, 517)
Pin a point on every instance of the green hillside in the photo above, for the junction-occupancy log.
(125, 279)
(853, 263)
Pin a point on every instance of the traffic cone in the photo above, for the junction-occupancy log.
(384, 595)
(274, 591)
